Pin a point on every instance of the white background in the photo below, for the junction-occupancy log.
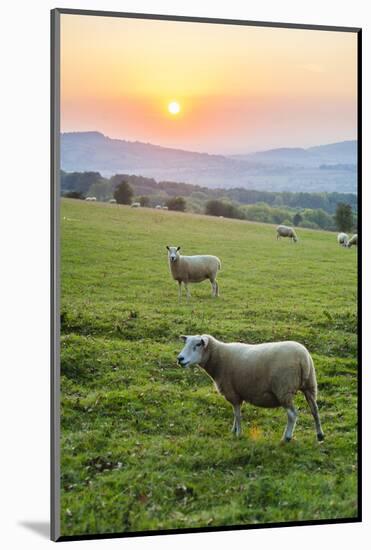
(24, 271)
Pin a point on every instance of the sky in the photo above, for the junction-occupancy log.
(239, 88)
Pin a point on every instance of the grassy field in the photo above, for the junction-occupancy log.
(146, 444)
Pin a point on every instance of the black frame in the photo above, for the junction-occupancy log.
(55, 262)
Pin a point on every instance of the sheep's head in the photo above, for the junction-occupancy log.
(173, 253)
(194, 350)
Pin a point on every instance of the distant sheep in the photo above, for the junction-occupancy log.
(135, 204)
(285, 231)
(165, 208)
(158, 206)
(353, 241)
(91, 198)
(193, 269)
(113, 201)
(265, 375)
(343, 239)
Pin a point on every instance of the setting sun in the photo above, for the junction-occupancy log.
(173, 108)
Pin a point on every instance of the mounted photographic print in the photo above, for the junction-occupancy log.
(205, 274)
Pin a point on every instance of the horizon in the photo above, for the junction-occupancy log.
(236, 89)
(281, 147)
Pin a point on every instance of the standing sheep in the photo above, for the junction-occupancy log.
(353, 241)
(193, 269)
(343, 239)
(285, 231)
(266, 375)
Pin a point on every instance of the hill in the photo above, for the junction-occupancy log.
(341, 153)
(147, 444)
(275, 170)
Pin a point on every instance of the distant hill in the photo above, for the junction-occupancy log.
(344, 152)
(283, 169)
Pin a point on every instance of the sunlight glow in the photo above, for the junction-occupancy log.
(173, 108)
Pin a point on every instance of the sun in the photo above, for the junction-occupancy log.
(173, 108)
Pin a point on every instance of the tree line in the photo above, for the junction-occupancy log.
(329, 211)
(93, 183)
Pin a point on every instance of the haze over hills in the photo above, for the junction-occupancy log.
(329, 168)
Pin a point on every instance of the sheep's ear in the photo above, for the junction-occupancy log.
(168, 247)
(182, 337)
(178, 248)
(204, 341)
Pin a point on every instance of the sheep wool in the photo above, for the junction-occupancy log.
(285, 231)
(193, 269)
(265, 375)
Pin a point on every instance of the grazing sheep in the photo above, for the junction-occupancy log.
(135, 204)
(158, 206)
(193, 269)
(353, 241)
(343, 239)
(266, 375)
(91, 198)
(285, 231)
(165, 208)
(113, 201)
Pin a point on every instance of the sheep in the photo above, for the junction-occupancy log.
(265, 375)
(193, 269)
(285, 231)
(135, 204)
(165, 208)
(343, 239)
(158, 206)
(113, 201)
(353, 241)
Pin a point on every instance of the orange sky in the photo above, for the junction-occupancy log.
(240, 88)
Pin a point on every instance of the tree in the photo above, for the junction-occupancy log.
(343, 217)
(74, 195)
(297, 219)
(123, 193)
(144, 200)
(79, 181)
(176, 203)
(215, 207)
(101, 190)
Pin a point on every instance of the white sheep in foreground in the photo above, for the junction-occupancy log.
(193, 269)
(353, 241)
(285, 231)
(343, 239)
(265, 375)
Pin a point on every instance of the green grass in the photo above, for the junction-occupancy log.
(146, 444)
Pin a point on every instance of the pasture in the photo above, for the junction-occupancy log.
(145, 444)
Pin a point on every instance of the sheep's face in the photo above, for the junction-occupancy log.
(194, 350)
(173, 253)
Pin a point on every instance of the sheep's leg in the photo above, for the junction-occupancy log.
(314, 410)
(236, 428)
(187, 291)
(292, 416)
(180, 290)
(212, 287)
(233, 425)
(215, 288)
